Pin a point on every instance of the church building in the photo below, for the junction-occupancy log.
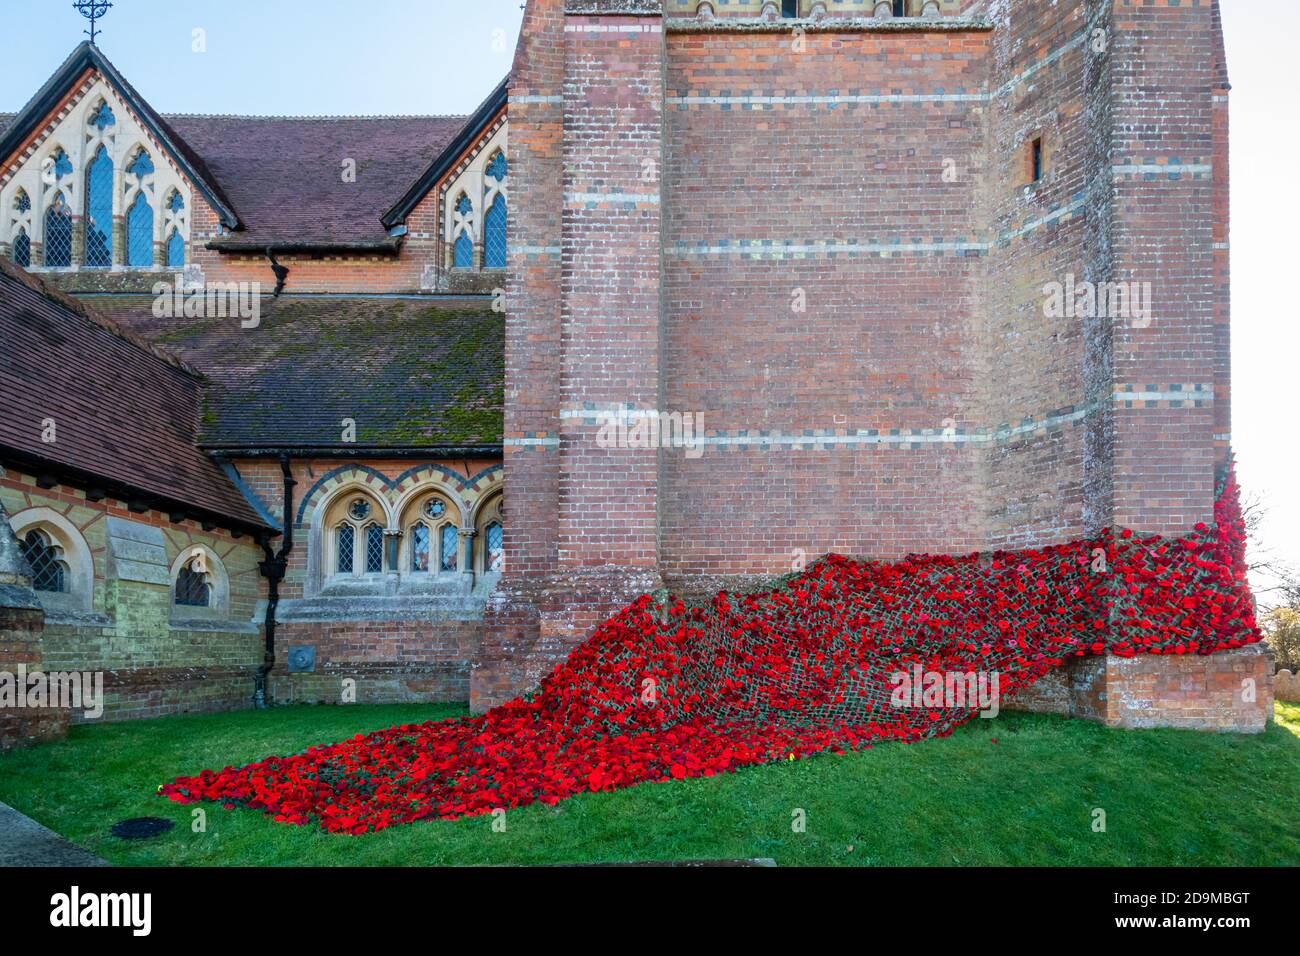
(371, 409)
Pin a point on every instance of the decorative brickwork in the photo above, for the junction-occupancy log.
(856, 250)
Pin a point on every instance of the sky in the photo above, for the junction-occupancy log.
(387, 57)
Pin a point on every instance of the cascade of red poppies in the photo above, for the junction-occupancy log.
(666, 690)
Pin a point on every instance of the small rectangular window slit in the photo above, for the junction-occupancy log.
(1036, 159)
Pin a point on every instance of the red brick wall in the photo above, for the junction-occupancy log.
(887, 341)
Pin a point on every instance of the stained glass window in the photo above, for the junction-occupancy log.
(374, 549)
(176, 250)
(192, 588)
(176, 203)
(23, 202)
(464, 206)
(139, 233)
(496, 553)
(103, 117)
(435, 508)
(62, 165)
(464, 249)
(22, 249)
(141, 166)
(494, 235)
(345, 545)
(497, 168)
(49, 573)
(99, 211)
(359, 509)
(58, 233)
(420, 548)
(450, 539)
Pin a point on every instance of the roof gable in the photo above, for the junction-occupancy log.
(469, 134)
(23, 133)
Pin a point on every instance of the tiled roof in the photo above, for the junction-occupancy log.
(126, 413)
(285, 178)
(412, 374)
(280, 180)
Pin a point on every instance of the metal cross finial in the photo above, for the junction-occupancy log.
(92, 10)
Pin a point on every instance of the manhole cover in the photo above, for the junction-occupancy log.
(141, 828)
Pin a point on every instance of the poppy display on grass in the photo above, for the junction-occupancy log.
(666, 690)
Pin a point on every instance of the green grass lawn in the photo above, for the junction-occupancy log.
(1019, 790)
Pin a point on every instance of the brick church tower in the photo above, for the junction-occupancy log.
(945, 278)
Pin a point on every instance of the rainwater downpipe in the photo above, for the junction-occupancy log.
(273, 569)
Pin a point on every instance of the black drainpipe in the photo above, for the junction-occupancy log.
(273, 569)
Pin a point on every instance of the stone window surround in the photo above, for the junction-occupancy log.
(396, 520)
(79, 598)
(214, 569)
(80, 141)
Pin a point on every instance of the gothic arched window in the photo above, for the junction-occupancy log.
(49, 570)
(345, 544)
(139, 233)
(22, 249)
(494, 545)
(58, 233)
(374, 549)
(496, 168)
(99, 210)
(431, 527)
(463, 248)
(449, 559)
(176, 250)
(192, 587)
(420, 547)
(464, 252)
(494, 234)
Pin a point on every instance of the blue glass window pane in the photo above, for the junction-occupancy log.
(44, 558)
(23, 203)
(464, 252)
(139, 234)
(176, 203)
(22, 250)
(99, 209)
(497, 168)
(374, 549)
(141, 166)
(345, 545)
(450, 539)
(496, 552)
(463, 206)
(103, 117)
(176, 250)
(58, 233)
(420, 548)
(62, 165)
(494, 235)
(192, 588)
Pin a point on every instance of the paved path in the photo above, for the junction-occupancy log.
(24, 842)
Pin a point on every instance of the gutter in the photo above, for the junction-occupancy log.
(98, 487)
(273, 569)
(356, 451)
(389, 245)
